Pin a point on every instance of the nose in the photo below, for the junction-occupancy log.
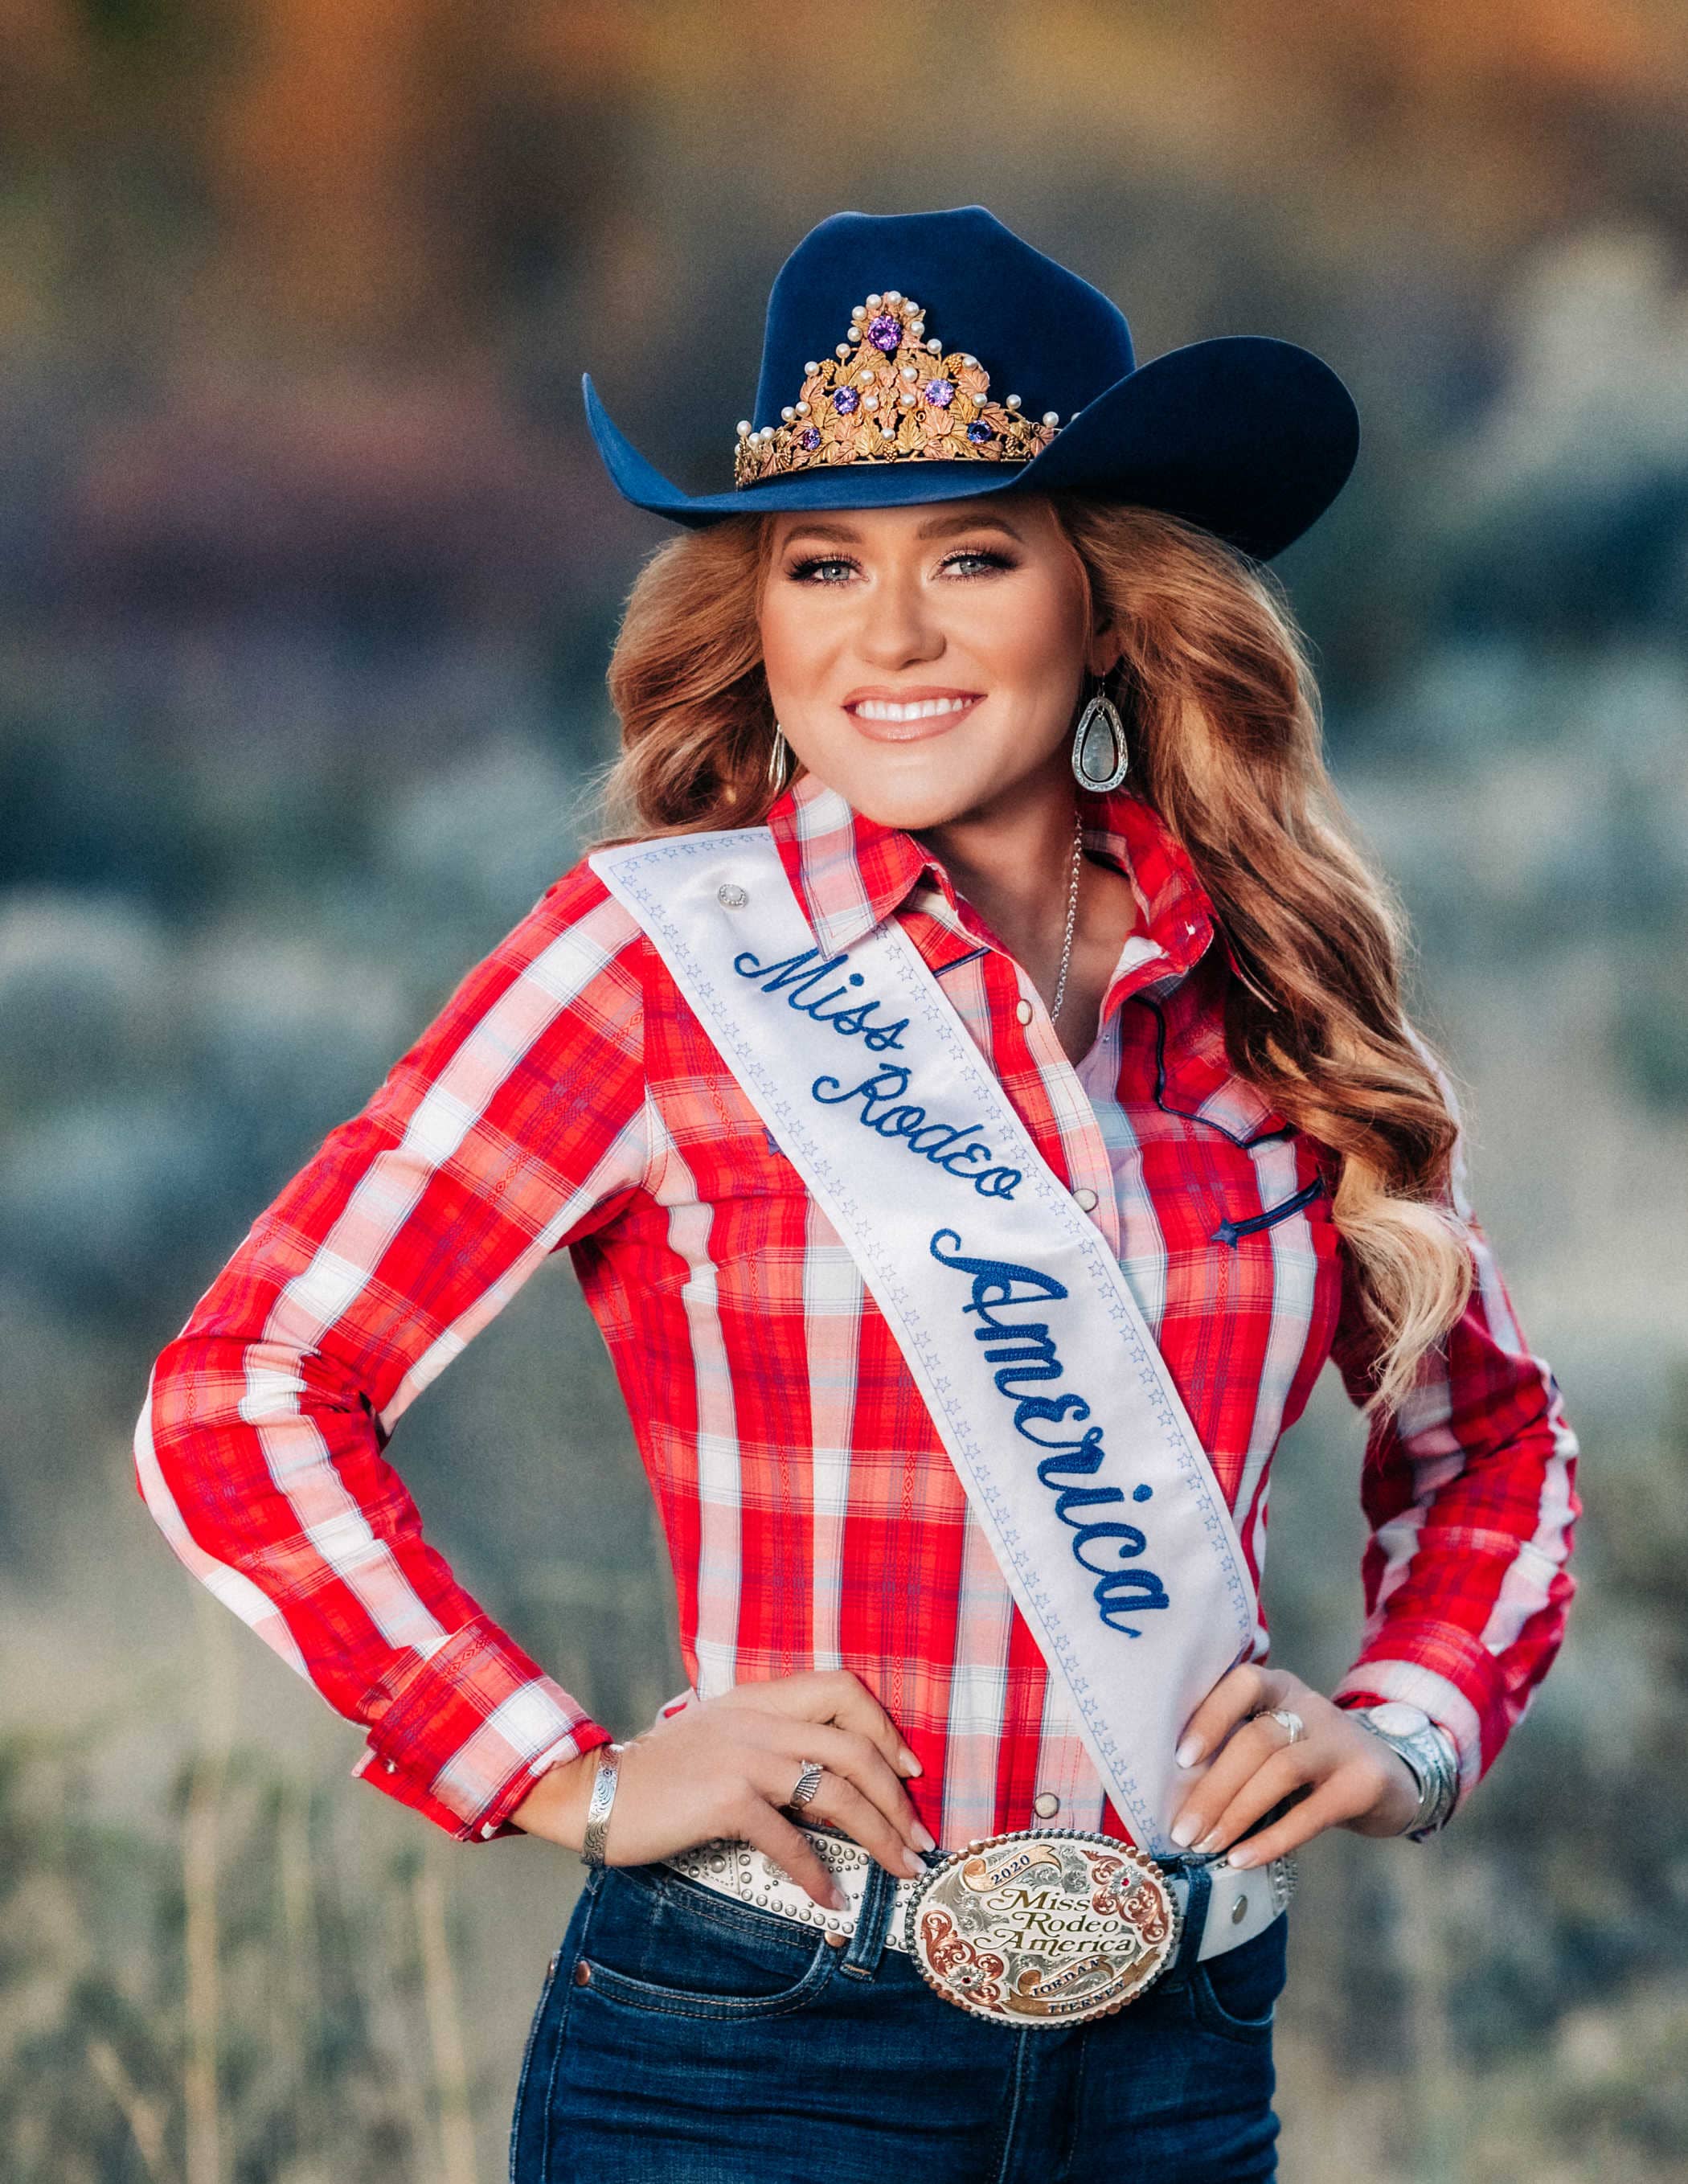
(898, 628)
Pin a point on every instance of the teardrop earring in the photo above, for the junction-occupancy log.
(1100, 755)
(779, 754)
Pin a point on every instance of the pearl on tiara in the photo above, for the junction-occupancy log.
(887, 393)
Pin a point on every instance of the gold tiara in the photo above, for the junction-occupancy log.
(887, 395)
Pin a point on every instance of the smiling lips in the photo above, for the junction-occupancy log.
(913, 715)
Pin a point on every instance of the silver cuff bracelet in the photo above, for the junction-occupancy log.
(1430, 1758)
(598, 1806)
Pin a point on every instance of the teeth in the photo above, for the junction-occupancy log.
(884, 708)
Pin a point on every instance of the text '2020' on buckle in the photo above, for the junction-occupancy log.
(1043, 1926)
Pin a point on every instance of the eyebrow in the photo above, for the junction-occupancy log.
(939, 526)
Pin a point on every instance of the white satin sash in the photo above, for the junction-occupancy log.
(1042, 1378)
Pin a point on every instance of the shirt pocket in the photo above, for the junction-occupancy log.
(721, 1150)
(1233, 1228)
(1269, 1240)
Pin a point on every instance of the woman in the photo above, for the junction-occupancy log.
(987, 941)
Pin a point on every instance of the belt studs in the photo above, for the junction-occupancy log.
(1239, 1910)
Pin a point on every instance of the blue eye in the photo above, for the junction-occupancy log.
(987, 558)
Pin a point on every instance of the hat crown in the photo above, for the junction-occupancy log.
(995, 368)
(1041, 331)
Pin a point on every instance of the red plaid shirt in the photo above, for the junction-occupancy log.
(566, 1095)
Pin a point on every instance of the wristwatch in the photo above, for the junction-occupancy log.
(1429, 1753)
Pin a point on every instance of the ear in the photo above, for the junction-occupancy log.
(1104, 652)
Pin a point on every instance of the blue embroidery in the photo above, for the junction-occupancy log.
(885, 1114)
(1025, 1351)
(1229, 1231)
(883, 1110)
(850, 1023)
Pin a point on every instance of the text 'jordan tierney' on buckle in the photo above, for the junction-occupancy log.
(1043, 1926)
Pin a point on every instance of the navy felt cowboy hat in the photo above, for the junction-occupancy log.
(867, 397)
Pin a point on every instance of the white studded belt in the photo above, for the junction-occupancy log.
(1040, 1926)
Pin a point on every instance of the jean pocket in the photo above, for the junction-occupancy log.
(657, 1941)
(1235, 1993)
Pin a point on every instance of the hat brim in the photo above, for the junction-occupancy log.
(1249, 437)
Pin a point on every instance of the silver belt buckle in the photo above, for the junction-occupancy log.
(1043, 1925)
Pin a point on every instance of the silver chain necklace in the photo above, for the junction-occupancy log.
(1072, 912)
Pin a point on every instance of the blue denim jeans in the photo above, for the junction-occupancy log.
(682, 2036)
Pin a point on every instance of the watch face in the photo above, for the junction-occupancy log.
(1399, 1718)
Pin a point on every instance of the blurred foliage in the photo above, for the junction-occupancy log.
(307, 576)
(326, 2066)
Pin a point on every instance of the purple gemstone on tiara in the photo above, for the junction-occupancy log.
(808, 438)
(885, 332)
(846, 401)
(979, 432)
(940, 392)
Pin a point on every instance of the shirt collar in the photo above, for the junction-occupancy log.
(849, 872)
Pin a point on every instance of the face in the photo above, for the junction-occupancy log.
(929, 662)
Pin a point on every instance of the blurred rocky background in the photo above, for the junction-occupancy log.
(307, 575)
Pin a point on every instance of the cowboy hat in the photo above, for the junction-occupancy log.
(868, 398)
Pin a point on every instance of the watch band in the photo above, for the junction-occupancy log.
(602, 1797)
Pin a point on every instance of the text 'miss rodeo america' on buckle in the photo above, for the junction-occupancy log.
(1043, 1925)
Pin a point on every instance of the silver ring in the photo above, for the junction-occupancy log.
(808, 1782)
(1292, 1722)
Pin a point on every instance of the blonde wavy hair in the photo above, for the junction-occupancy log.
(1224, 725)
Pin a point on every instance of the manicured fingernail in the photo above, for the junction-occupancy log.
(908, 1762)
(1185, 1829)
(913, 1864)
(1211, 1841)
(1242, 1855)
(840, 1901)
(1189, 1752)
(924, 1837)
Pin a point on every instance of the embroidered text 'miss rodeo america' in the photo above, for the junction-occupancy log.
(1025, 1350)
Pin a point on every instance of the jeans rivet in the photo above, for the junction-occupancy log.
(583, 1974)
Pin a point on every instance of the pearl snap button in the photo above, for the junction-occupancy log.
(731, 895)
(1024, 1011)
(1085, 1199)
(1045, 1804)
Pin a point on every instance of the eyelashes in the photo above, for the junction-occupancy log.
(802, 572)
